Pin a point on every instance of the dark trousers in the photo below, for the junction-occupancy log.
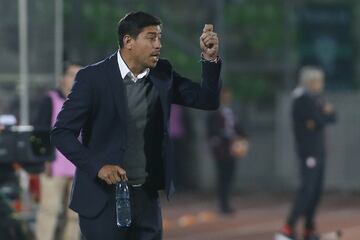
(225, 180)
(146, 219)
(309, 192)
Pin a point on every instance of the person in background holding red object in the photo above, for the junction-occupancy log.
(228, 142)
(56, 181)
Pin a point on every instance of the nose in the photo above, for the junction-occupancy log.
(158, 43)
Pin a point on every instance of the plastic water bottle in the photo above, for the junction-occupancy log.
(123, 211)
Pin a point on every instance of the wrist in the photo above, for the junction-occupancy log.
(207, 58)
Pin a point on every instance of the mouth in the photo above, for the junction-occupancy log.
(155, 56)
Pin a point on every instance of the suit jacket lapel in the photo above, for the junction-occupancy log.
(117, 89)
(117, 86)
(162, 86)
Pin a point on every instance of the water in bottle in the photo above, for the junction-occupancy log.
(123, 211)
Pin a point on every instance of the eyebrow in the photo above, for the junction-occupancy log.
(153, 33)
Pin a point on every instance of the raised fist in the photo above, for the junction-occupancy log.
(209, 43)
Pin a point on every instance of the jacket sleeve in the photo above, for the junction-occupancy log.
(74, 114)
(202, 96)
(330, 118)
(318, 116)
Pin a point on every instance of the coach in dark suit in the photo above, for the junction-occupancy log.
(121, 107)
(311, 114)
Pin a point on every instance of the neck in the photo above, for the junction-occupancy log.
(313, 93)
(63, 92)
(132, 64)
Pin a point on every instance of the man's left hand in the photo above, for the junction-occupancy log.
(209, 43)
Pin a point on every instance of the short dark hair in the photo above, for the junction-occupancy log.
(133, 23)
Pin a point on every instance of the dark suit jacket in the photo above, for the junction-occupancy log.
(310, 142)
(96, 107)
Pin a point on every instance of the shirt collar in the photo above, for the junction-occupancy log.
(125, 71)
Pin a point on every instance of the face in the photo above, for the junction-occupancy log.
(316, 85)
(68, 79)
(145, 48)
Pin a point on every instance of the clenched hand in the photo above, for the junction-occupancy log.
(112, 174)
(209, 43)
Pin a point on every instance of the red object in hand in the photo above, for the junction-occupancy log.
(34, 186)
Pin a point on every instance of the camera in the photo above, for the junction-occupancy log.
(24, 144)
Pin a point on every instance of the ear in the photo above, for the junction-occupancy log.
(128, 42)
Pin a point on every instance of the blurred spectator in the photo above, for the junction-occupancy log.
(311, 114)
(180, 136)
(56, 181)
(228, 142)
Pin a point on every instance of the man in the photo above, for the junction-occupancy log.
(223, 132)
(55, 182)
(121, 106)
(311, 114)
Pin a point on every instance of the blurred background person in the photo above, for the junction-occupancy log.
(56, 180)
(179, 134)
(311, 114)
(228, 142)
